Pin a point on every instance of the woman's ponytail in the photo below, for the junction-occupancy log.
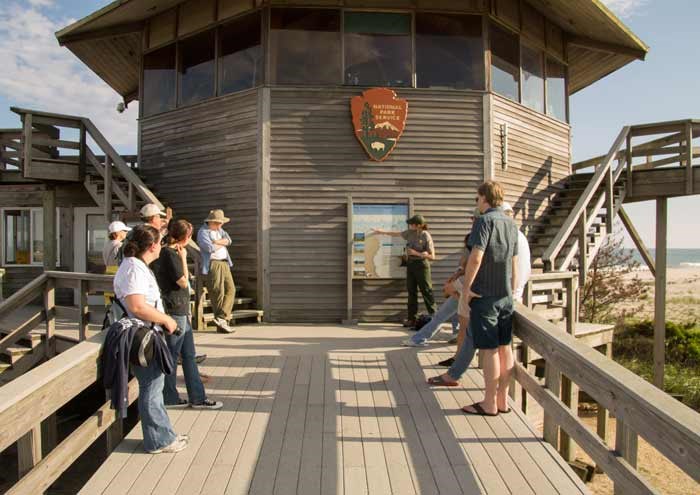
(140, 240)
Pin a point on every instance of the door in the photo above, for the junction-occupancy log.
(89, 237)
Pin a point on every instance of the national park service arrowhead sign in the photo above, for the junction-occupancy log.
(379, 118)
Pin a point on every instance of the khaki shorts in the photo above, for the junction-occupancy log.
(462, 308)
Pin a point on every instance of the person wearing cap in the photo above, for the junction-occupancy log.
(524, 268)
(117, 233)
(420, 251)
(150, 215)
(213, 242)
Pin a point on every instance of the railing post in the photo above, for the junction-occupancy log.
(114, 433)
(27, 144)
(626, 447)
(569, 390)
(582, 248)
(82, 159)
(689, 158)
(628, 163)
(609, 200)
(50, 234)
(84, 311)
(603, 414)
(108, 188)
(29, 450)
(552, 381)
(50, 312)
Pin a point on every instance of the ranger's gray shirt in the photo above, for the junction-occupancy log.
(497, 236)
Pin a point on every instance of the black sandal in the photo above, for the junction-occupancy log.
(478, 410)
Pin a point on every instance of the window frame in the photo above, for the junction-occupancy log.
(31, 210)
(543, 65)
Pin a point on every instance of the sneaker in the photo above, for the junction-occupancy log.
(176, 446)
(208, 404)
(184, 437)
(223, 326)
(447, 362)
(181, 403)
(410, 343)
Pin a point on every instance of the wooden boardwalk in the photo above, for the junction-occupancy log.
(335, 410)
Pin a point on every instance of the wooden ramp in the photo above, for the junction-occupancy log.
(335, 410)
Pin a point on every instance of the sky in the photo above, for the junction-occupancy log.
(39, 74)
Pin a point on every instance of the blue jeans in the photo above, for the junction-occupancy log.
(446, 311)
(155, 423)
(183, 345)
(464, 357)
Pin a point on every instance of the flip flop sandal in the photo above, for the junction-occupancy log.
(504, 411)
(478, 410)
(439, 381)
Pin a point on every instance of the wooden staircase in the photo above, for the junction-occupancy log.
(582, 214)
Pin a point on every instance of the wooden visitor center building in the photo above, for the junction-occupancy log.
(245, 106)
(308, 122)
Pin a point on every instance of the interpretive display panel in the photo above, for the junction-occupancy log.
(377, 256)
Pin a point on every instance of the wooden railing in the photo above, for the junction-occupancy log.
(28, 404)
(675, 148)
(10, 149)
(639, 407)
(115, 171)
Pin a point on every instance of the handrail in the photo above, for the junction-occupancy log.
(572, 220)
(113, 161)
(640, 408)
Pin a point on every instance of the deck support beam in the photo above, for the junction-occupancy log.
(637, 239)
(660, 292)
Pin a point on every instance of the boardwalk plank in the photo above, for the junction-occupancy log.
(241, 378)
(312, 442)
(375, 461)
(257, 421)
(287, 478)
(392, 440)
(354, 469)
(332, 480)
(263, 481)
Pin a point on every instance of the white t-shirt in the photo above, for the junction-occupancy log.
(220, 253)
(134, 277)
(524, 268)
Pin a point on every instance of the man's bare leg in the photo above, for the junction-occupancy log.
(505, 359)
(491, 375)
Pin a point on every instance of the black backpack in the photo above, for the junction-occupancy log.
(141, 352)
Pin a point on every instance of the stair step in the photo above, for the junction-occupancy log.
(14, 353)
(239, 301)
(241, 314)
(30, 340)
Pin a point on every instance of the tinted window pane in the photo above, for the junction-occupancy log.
(17, 236)
(196, 68)
(505, 62)
(159, 80)
(305, 46)
(533, 78)
(449, 51)
(556, 90)
(240, 54)
(377, 49)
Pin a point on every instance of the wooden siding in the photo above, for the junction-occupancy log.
(204, 157)
(539, 157)
(316, 162)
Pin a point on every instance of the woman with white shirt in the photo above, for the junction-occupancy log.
(136, 287)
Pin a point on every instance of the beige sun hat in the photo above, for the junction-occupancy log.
(216, 216)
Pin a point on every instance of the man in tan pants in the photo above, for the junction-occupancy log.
(213, 241)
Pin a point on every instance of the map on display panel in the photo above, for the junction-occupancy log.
(377, 255)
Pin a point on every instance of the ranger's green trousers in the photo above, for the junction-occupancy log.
(418, 278)
(222, 291)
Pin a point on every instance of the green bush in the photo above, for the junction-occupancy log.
(636, 340)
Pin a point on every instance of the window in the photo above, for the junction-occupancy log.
(532, 78)
(556, 89)
(240, 54)
(449, 51)
(377, 49)
(305, 46)
(97, 235)
(159, 81)
(23, 236)
(505, 63)
(196, 68)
